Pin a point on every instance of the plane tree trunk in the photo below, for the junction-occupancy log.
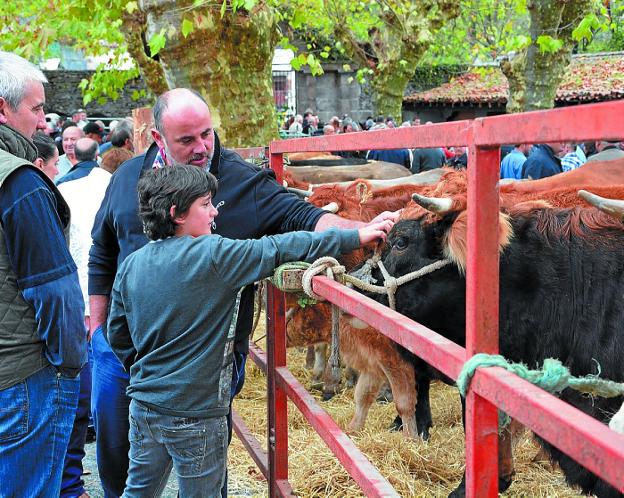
(535, 74)
(227, 59)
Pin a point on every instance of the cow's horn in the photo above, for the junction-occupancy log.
(332, 207)
(299, 192)
(613, 207)
(439, 205)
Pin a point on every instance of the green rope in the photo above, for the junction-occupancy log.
(553, 377)
(277, 280)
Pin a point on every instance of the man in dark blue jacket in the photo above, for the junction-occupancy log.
(543, 161)
(250, 203)
(86, 151)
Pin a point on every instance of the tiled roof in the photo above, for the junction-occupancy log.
(587, 79)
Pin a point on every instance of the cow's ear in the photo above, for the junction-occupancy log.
(455, 244)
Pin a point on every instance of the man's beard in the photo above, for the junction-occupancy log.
(195, 157)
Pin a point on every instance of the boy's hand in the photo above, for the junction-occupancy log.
(387, 215)
(374, 231)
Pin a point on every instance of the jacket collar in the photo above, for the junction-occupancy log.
(13, 142)
(85, 164)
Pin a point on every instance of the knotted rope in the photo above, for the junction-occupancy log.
(332, 268)
(553, 377)
(390, 284)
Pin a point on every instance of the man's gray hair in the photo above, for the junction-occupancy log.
(161, 105)
(120, 134)
(15, 73)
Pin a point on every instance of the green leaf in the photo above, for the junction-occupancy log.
(187, 27)
(157, 42)
(324, 55)
(84, 83)
(131, 7)
(548, 44)
(223, 7)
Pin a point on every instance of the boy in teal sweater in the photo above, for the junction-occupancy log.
(172, 322)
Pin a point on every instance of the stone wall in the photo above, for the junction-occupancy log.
(63, 96)
(332, 94)
(337, 92)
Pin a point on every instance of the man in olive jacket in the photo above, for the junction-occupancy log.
(42, 334)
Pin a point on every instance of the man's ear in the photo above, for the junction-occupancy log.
(3, 106)
(158, 138)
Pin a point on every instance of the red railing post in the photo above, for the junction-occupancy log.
(482, 316)
(277, 429)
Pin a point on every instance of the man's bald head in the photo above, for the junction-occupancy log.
(86, 149)
(175, 101)
(183, 128)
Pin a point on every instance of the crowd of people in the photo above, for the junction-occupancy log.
(525, 161)
(521, 161)
(149, 338)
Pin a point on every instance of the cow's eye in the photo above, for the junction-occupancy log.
(400, 243)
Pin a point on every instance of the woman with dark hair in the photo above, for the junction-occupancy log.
(47, 155)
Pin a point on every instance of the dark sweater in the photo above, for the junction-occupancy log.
(398, 156)
(426, 159)
(541, 163)
(173, 305)
(250, 202)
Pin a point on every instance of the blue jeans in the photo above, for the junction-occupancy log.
(72, 484)
(36, 417)
(110, 407)
(195, 447)
(238, 379)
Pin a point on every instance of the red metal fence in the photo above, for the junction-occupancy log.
(583, 438)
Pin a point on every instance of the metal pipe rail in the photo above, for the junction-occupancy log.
(583, 438)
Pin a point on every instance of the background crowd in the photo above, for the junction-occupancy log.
(521, 161)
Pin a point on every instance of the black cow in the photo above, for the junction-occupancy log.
(561, 296)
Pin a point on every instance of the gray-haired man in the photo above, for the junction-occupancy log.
(42, 336)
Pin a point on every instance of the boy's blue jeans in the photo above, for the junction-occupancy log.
(196, 447)
(36, 418)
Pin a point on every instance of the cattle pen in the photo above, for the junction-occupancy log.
(583, 438)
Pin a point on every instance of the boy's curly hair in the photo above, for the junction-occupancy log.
(162, 188)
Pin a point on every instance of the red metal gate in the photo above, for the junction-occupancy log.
(589, 442)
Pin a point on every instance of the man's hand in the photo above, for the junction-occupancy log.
(98, 306)
(374, 231)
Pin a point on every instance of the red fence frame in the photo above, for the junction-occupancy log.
(588, 441)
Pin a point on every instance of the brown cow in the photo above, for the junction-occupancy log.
(330, 174)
